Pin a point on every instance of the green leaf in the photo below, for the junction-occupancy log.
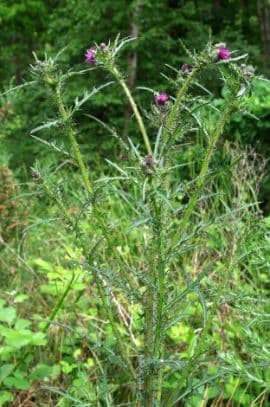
(7, 314)
(38, 339)
(19, 383)
(5, 370)
(192, 346)
(20, 298)
(17, 339)
(5, 397)
(22, 324)
(44, 265)
(41, 372)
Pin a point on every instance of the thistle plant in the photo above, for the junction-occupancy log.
(154, 283)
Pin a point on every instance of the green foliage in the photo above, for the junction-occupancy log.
(16, 336)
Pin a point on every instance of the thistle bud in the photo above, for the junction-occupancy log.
(185, 69)
(104, 47)
(248, 70)
(148, 164)
(36, 175)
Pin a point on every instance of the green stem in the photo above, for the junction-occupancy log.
(160, 266)
(134, 107)
(169, 130)
(180, 96)
(66, 119)
(155, 297)
(116, 332)
(172, 117)
(59, 304)
(72, 138)
(205, 166)
(153, 384)
(148, 388)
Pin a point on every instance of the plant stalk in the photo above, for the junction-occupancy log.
(134, 107)
(72, 138)
(205, 164)
(155, 297)
(65, 117)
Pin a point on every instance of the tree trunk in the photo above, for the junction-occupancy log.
(132, 62)
(264, 19)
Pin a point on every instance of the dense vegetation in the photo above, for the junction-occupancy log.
(134, 203)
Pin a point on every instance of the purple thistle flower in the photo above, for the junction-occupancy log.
(223, 53)
(161, 99)
(90, 55)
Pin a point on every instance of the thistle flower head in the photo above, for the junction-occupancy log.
(90, 55)
(223, 53)
(185, 68)
(161, 99)
(44, 70)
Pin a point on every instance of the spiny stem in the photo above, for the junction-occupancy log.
(159, 214)
(59, 304)
(111, 319)
(205, 165)
(172, 117)
(72, 138)
(65, 117)
(180, 95)
(154, 307)
(134, 107)
(149, 331)
(155, 301)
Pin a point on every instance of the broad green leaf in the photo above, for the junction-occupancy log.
(38, 339)
(7, 314)
(20, 298)
(5, 397)
(17, 339)
(41, 372)
(5, 370)
(22, 324)
(19, 383)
